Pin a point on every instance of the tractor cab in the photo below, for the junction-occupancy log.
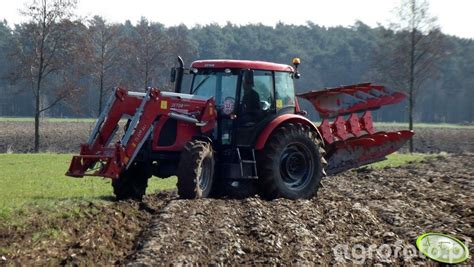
(248, 94)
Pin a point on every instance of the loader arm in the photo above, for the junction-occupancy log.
(99, 158)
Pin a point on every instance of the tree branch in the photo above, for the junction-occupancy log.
(57, 100)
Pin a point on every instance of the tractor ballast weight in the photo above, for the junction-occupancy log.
(241, 122)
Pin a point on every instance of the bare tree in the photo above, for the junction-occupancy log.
(43, 56)
(410, 51)
(149, 48)
(104, 56)
(180, 43)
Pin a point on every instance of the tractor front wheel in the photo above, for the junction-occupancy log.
(132, 182)
(291, 163)
(196, 170)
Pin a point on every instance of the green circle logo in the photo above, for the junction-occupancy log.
(442, 248)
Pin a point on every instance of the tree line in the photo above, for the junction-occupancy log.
(58, 66)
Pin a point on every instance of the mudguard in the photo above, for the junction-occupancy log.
(285, 118)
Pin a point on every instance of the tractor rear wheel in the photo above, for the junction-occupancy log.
(132, 183)
(291, 163)
(196, 170)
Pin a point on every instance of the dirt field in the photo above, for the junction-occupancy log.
(367, 216)
(435, 140)
(61, 137)
(364, 216)
(65, 137)
(356, 209)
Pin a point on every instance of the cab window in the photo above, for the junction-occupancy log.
(285, 90)
(258, 96)
(218, 84)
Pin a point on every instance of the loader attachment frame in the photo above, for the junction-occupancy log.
(98, 158)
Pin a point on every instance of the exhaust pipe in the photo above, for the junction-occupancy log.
(179, 75)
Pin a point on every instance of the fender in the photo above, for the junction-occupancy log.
(268, 130)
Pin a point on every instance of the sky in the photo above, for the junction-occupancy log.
(455, 17)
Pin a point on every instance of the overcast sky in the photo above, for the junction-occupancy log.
(454, 16)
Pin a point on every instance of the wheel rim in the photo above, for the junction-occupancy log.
(205, 179)
(296, 165)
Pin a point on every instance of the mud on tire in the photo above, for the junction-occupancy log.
(291, 164)
(132, 183)
(196, 170)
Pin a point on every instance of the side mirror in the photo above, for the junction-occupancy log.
(173, 75)
(248, 77)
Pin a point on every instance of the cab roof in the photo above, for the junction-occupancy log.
(240, 64)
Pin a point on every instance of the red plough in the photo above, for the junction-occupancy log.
(353, 141)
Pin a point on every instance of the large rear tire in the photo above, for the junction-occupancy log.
(196, 170)
(132, 183)
(291, 164)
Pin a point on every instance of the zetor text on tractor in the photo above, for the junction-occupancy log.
(239, 123)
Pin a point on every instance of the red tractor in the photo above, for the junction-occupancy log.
(240, 124)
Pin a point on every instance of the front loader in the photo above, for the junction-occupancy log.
(239, 125)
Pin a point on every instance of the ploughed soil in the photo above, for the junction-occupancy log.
(99, 232)
(65, 137)
(362, 216)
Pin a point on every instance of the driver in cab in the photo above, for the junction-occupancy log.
(250, 103)
(250, 99)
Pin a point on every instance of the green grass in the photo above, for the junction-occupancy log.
(397, 160)
(423, 125)
(38, 180)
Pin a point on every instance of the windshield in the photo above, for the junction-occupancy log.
(218, 84)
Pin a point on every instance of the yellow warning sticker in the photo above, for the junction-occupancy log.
(164, 104)
(279, 103)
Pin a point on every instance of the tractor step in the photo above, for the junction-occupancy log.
(247, 162)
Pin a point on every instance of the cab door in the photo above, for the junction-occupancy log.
(226, 102)
(256, 105)
(222, 85)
